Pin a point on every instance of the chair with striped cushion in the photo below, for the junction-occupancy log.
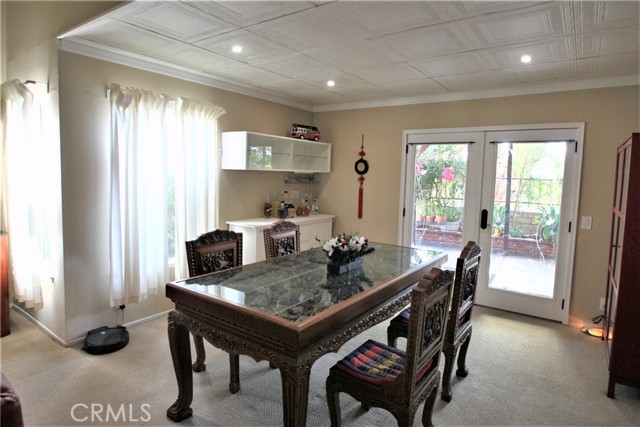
(383, 376)
(458, 335)
(215, 251)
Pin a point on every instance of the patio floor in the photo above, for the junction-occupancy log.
(526, 275)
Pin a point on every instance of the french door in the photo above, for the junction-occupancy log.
(515, 192)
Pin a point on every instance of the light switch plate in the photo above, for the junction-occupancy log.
(586, 223)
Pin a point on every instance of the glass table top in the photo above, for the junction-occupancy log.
(297, 286)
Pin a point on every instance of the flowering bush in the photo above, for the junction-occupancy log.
(439, 179)
(343, 249)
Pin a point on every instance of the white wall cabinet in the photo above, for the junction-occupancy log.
(256, 151)
(312, 226)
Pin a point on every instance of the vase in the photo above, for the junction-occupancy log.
(338, 268)
(431, 218)
(441, 219)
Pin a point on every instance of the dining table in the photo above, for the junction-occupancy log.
(290, 311)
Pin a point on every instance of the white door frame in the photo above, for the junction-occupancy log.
(475, 176)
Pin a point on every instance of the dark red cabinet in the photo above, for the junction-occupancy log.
(622, 308)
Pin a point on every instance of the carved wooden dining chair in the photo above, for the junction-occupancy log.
(283, 238)
(458, 335)
(214, 251)
(383, 376)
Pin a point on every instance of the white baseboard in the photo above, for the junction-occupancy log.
(40, 325)
(78, 340)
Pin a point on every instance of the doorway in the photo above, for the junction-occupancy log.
(514, 191)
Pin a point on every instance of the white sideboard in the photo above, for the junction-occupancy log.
(312, 226)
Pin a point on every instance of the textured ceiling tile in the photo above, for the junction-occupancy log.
(304, 30)
(360, 53)
(472, 81)
(453, 64)
(388, 73)
(510, 27)
(454, 10)
(608, 43)
(255, 48)
(411, 88)
(559, 49)
(294, 66)
(608, 66)
(603, 15)
(303, 89)
(247, 13)
(544, 72)
(423, 42)
(370, 19)
(176, 20)
(247, 75)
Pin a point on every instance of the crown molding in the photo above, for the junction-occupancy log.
(483, 94)
(141, 62)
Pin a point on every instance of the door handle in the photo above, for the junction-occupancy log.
(484, 216)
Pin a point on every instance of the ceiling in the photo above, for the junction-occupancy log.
(377, 52)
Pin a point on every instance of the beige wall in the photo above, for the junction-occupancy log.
(84, 118)
(610, 115)
(80, 299)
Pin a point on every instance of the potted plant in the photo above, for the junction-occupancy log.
(440, 210)
(454, 216)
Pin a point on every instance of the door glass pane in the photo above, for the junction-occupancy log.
(439, 189)
(526, 217)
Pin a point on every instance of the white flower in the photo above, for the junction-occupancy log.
(329, 245)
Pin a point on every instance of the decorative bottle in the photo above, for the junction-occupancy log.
(303, 209)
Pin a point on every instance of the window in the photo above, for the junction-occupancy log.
(163, 186)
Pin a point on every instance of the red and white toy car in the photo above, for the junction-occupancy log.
(305, 132)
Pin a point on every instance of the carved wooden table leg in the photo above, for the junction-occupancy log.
(295, 394)
(181, 355)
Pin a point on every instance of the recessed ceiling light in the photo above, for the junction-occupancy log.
(331, 83)
(525, 59)
(236, 49)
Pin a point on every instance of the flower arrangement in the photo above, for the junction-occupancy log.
(343, 249)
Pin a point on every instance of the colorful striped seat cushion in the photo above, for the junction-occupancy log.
(374, 362)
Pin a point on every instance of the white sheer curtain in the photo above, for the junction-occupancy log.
(21, 192)
(160, 145)
(196, 174)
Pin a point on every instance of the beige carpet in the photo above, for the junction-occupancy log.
(522, 372)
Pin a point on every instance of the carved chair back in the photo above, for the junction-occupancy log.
(283, 238)
(429, 314)
(464, 290)
(214, 251)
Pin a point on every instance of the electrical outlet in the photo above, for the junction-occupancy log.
(602, 304)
